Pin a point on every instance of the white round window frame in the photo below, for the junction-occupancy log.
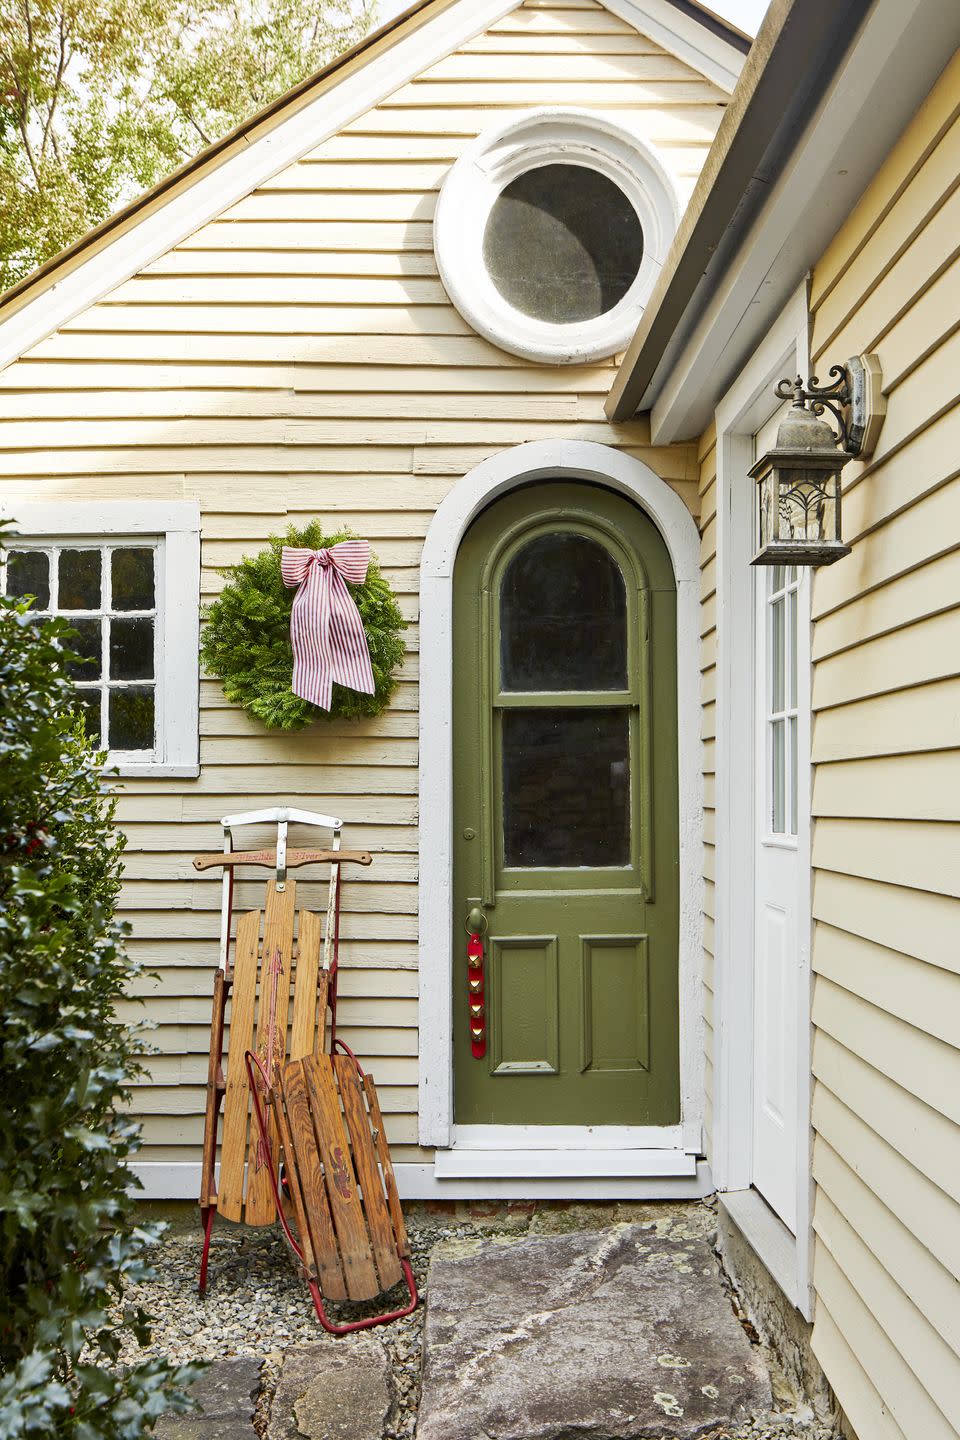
(549, 136)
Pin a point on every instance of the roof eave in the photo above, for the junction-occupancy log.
(795, 55)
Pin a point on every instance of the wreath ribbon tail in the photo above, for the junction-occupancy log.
(326, 631)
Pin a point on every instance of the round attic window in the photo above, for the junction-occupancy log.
(562, 244)
(550, 232)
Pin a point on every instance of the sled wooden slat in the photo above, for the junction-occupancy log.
(389, 1179)
(303, 1166)
(236, 1106)
(368, 1173)
(309, 1009)
(275, 970)
(348, 1218)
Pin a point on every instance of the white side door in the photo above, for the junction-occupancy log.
(782, 748)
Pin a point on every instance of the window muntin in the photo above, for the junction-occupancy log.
(563, 243)
(780, 703)
(108, 592)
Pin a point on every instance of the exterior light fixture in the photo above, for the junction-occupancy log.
(798, 481)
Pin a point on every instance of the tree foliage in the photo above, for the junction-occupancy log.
(246, 638)
(99, 99)
(67, 1237)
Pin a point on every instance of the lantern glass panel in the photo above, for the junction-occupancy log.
(767, 492)
(807, 506)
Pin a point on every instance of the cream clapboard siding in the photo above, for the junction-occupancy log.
(297, 357)
(886, 697)
(707, 460)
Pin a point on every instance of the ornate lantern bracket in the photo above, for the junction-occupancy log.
(854, 398)
(798, 480)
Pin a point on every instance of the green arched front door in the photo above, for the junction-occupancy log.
(565, 812)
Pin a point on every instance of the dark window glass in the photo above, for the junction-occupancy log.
(28, 573)
(132, 579)
(88, 703)
(131, 649)
(131, 718)
(79, 580)
(86, 644)
(563, 243)
(566, 788)
(563, 617)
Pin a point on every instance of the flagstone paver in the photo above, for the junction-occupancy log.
(338, 1389)
(615, 1334)
(226, 1393)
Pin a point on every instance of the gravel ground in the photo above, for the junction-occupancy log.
(257, 1305)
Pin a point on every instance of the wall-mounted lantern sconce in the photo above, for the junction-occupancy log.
(798, 481)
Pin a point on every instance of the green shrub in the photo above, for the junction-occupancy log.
(67, 1236)
(246, 638)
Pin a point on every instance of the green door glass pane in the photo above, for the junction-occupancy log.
(79, 580)
(28, 573)
(132, 578)
(566, 788)
(563, 615)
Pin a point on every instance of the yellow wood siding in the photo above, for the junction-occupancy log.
(298, 357)
(886, 745)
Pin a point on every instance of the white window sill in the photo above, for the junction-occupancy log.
(150, 771)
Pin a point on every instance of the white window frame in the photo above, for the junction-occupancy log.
(550, 136)
(746, 406)
(176, 526)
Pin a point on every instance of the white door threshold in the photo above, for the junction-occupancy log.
(766, 1234)
(180, 1180)
(508, 1164)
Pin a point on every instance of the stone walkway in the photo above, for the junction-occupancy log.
(553, 1323)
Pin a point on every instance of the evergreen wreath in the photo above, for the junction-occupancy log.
(246, 639)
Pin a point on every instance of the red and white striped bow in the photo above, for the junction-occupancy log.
(325, 626)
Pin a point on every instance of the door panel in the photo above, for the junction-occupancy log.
(565, 799)
(616, 1003)
(524, 1000)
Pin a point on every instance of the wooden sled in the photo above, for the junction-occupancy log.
(338, 1174)
(280, 976)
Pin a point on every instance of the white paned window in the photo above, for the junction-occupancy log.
(781, 704)
(126, 578)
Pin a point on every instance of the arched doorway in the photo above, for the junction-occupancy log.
(565, 813)
(657, 1150)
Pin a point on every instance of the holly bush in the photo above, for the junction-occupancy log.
(68, 1238)
(246, 637)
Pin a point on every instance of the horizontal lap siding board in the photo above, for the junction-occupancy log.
(298, 357)
(886, 742)
(707, 459)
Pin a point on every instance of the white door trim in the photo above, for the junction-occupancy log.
(553, 459)
(747, 404)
